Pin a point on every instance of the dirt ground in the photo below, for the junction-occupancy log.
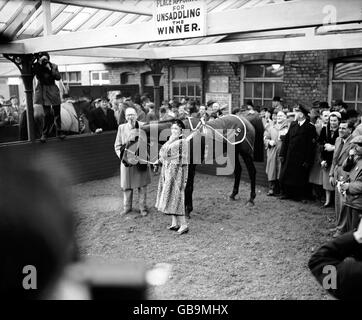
(231, 251)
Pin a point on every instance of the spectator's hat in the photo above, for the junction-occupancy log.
(97, 100)
(104, 99)
(210, 102)
(302, 109)
(6, 104)
(119, 96)
(337, 114)
(357, 140)
(13, 97)
(316, 104)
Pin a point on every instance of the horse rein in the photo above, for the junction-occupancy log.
(204, 125)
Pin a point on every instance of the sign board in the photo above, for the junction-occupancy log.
(219, 84)
(221, 98)
(179, 18)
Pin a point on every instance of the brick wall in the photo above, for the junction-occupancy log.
(305, 77)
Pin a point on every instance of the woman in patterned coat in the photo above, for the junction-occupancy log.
(173, 178)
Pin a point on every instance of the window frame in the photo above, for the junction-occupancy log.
(100, 81)
(261, 80)
(332, 81)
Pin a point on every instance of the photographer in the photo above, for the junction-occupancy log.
(47, 94)
(337, 265)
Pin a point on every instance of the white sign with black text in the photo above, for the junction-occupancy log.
(178, 19)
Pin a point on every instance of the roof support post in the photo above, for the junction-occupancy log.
(24, 63)
(156, 69)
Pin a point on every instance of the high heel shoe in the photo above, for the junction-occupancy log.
(183, 230)
(174, 228)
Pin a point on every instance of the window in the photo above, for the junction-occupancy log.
(262, 82)
(72, 78)
(128, 78)
(347, 84)
(99, 78)
(186, 81)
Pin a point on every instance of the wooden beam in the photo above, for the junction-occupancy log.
(107, 53)
(286, 15)
(109, 5)
(47, 18)
(12, 48)
(70, 60)
(320, 42)
(225, 58)
(294, 14)
(21, 18)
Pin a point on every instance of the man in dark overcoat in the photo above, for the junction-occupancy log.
(102, 118)
(297, 156)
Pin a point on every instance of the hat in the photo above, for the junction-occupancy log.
(98, 100)
(357, 139)
(302, 109)
(276, 98)
(13, 97)
(336, 113)
(323, 105)
(210, 102)
(119, 96)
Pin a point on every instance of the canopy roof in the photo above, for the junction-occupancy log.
(112, 31)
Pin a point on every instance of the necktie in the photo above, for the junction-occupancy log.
(339, 150)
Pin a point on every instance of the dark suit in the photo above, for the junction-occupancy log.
(99, 119)
(348, 271)
(339, 156)
(297, 152)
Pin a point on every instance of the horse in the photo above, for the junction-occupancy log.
(71, 112)
(249, 134)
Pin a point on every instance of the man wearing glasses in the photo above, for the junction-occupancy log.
(135, 176)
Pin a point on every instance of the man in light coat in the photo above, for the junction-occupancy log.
(342, 147)
(135, 176)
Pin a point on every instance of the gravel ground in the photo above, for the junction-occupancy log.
(231, 251)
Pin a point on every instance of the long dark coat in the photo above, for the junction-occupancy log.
(46, 91)
(98, 119)
(297, 151)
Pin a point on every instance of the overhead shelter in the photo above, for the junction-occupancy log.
(121, 31)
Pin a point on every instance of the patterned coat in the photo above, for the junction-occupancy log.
(131, 177)
(275, 133)
(173, 178)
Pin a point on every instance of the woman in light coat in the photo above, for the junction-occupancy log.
(171, 187)
(273, 136)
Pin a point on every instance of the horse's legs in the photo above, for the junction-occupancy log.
(237, 175)
(189, 189)
(252, 175)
